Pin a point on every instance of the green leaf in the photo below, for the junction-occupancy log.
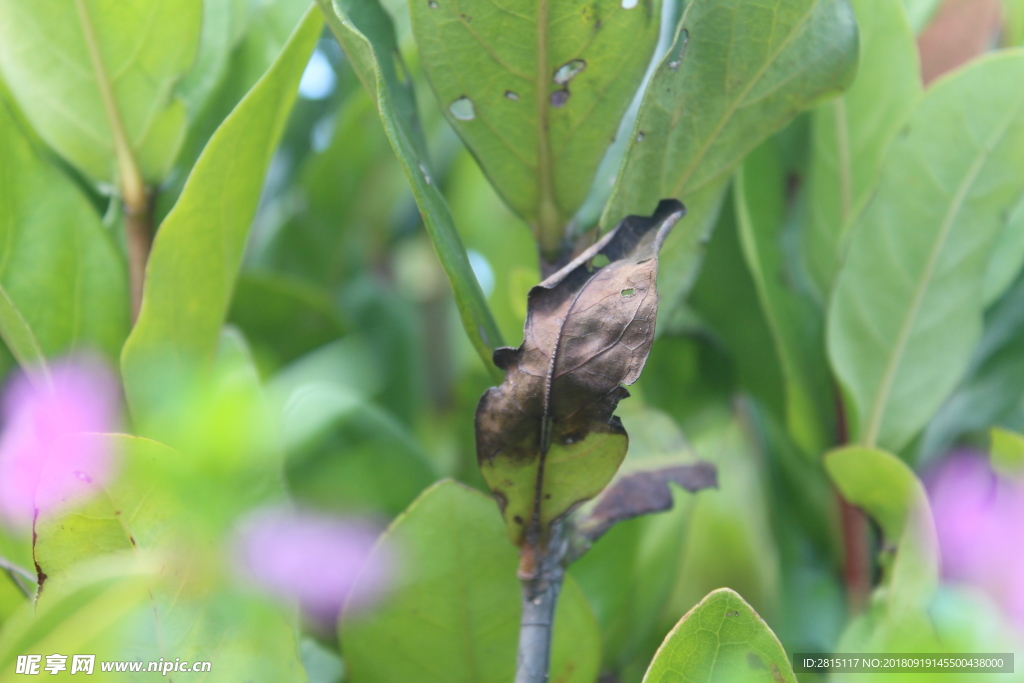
(536, 90)
(797, 327)
(97, 78)
(453, 613)
(907, 306)
(898, 618)
(628, 574)
(365, 32)
(889, 491)
(721, 640)
(198, 249)
(349, 455)
(851, 134)
(1007, 452)
(1007, 256)
(991, 390)
(20, 340)
(282, 316)
(920, 12)
(63, 285)
(133, 512)
(737, 71)
(82, 613)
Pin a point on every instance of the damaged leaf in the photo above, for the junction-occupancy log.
(643, 493)
(546, 438)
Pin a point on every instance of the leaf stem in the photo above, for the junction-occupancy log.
(541, 585)
(854, 525)
(134, 194)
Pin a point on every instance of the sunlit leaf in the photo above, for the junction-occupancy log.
(64, 286)
(97, 78)
(198, 249)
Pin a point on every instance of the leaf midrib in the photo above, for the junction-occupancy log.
(874, 424)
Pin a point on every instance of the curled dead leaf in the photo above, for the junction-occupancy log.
(547, 439)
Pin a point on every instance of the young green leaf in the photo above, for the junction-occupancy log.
(897, 619)
(851, 133)
(63, 281)
(721, 640)
(907, 307)
(889, 491)
(737, 71)
(536, 89)
(97, 78)
(365, 32)
(453, 613)
(198, 249)
(546, 438)
(797, 326)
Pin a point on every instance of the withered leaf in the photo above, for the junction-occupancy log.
(644, 492)
(547, 439)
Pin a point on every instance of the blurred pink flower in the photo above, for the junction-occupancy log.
(979, 518)
(313, 559)
(46, 461)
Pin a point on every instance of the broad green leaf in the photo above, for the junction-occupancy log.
(220, 18)
(365, 32)
(453, 613)
(907, 307)
(282, 316)
(63, 285)
(796, 325)
(889, 491)
(1007, 452)
(897, 619)
(97, 78)
(198, 249)
(721, 640)
(1013, 23)
(737, 71)
(536, 90)
(993, 385)
(851, 133)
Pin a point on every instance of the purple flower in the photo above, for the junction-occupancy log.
(979, 518)
(47, 459)
(313, 559)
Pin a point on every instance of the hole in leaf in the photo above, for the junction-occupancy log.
(628, 292)
(569, 70)
(683, 40)
(463, 109)
(629, 4)
(640, 136)
(511, 95)
(559, 98)
(432, 4)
